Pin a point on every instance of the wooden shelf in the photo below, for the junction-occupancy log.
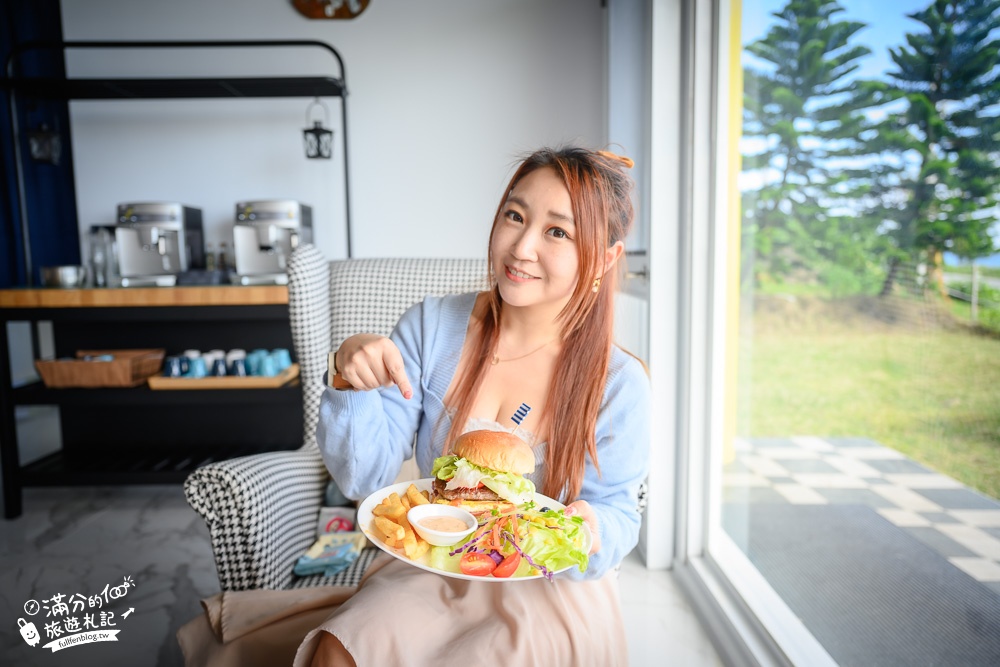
(38, 394)
(138, 465)
(208, 295)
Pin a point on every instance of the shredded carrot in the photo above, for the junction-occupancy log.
(495, 537)
(483, 529)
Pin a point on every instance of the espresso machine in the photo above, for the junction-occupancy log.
(156, 241)
(264, 235)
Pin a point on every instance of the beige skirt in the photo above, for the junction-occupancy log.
(402, 615)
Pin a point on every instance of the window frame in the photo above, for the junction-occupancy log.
(696, 76)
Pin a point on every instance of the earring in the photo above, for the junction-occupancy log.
(597, 285)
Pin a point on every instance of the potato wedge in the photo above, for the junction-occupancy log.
(390, 528)
(415, 496)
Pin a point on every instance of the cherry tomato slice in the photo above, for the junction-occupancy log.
(476, 565)
(508, 565)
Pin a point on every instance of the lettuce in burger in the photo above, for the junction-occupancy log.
(485, 466)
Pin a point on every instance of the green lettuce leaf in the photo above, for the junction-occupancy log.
(444, 467)
(515, 488)
(556, 541)
(460, 473)
(440, 560)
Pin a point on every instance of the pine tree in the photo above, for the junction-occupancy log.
(804, 110)
(947, 139)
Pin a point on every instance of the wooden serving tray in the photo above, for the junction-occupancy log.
(227, 382)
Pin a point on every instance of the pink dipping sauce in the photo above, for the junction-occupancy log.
(445, 524)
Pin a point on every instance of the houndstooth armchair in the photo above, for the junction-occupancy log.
(262, 510)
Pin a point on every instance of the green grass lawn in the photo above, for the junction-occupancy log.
(988, 318)
(933, 395)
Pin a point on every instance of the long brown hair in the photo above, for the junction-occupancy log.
(600, 191)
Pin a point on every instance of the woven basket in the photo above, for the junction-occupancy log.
(128, 368)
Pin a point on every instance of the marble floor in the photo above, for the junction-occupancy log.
(75, 542)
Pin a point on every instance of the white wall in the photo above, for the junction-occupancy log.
(444, 95)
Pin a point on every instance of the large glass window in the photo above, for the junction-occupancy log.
(860, 475)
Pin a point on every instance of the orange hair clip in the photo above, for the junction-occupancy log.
(627, 161)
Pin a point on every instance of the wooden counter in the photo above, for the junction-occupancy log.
(202, 295)
(136, 435)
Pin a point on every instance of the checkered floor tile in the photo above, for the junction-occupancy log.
(957, 522)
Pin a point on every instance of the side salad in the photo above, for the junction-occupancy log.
(518, 542)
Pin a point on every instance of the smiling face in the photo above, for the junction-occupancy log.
(533, 247)
(30, 634)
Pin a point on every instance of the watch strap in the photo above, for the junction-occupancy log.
(336, 380)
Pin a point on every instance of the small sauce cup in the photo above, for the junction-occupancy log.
(441, 525)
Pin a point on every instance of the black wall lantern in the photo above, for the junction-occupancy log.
(318, 139)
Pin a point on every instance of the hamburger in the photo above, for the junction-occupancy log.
(485, 469)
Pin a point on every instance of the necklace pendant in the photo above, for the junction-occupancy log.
(496, 360)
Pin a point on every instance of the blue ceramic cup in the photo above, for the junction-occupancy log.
(186, 357)
(268, 367)
(254, 360)
(197, 369)
(219, 368)
(172, 367)
(233, 355)
(282, 358)
(238, 367)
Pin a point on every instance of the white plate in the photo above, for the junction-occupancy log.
(366, 524)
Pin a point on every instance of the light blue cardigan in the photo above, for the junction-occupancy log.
(364, 436)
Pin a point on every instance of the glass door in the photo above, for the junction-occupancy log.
(839, 425)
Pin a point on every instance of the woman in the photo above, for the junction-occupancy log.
(542, 335)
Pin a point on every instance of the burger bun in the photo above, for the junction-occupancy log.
(497, 450)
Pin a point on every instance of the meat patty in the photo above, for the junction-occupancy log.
(479, 493)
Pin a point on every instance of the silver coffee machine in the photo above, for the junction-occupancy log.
(156, 241)
(264, 234)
